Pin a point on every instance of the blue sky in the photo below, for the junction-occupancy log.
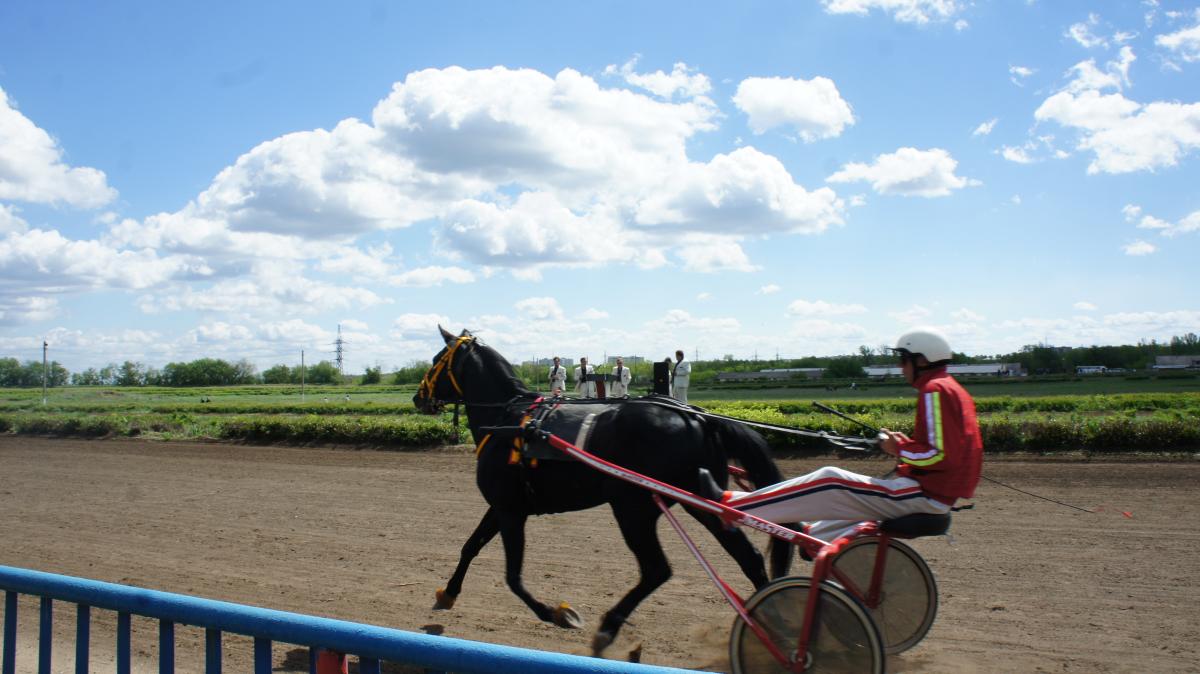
(237, 179)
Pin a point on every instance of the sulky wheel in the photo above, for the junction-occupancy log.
(844, 638)
(907, 601)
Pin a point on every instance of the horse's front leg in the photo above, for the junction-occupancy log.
(637, 517)
(512, 532)
(488, 527)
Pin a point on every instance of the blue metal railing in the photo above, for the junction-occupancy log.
(371, 644)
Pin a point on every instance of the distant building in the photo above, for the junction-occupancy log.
(1176, 363)
(547, 362)
(1090, 369)
(773, 375)
(629, 360)
(984, 370)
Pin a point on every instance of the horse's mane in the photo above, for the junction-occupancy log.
(507, 373)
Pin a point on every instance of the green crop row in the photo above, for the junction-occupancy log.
(226, 408)
(406, 431)
(990, 405)
(1166, 430)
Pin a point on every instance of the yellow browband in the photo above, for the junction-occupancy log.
(446, 362)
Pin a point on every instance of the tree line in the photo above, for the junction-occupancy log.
(1035, 358)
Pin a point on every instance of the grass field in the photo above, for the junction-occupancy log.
(1102, 414)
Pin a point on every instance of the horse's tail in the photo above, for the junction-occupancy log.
(748, 448)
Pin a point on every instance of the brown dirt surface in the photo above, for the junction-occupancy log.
(1025, 585)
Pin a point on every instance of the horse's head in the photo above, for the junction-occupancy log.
(441, 383)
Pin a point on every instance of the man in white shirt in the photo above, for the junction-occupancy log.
(584, 389)
(619, 387)
(680, 375)
(558, 377)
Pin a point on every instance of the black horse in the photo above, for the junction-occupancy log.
(654, 436)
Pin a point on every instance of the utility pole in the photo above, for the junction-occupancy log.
(301, 375)
(339, 350)
(45, 346)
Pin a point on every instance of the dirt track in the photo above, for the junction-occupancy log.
(368, 536)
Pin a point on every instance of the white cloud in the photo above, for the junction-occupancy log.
(961, 25)
(44, 261)
(427, 277)
(354, 325)
(420, 326)
(823, 308)
(294, 331)
(540, 309)
(1082, 33)
(914, 314)
(1184, 42)
(703, 297)
(769, 289)
(1084, 306)
(1138, 248)
(1124, 135)
(34, 170)
(1015, 200)
(19, 310)
(813, 108)
(594, 315)
(10, 221)
(1131, 212)
(1019, 155)
(967, 316)
(905, 11)
(1086, 76)
(713, 254)
(1018, 74)
(908, 172)
(985, 127)
(270, 289)
(743, 192)
(1189, 223)
(682, 80)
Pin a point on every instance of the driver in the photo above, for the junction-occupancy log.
(936, 467)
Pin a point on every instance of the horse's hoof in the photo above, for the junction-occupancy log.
(444, 600)
(565, 616)
(601, 641)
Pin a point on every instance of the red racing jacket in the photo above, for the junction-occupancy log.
(945, 454)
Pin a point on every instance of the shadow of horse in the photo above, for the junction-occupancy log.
(656, 436)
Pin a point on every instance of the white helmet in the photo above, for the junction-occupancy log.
(927, 342)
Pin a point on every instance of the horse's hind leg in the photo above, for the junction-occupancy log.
(638, 520)
(488, 527)
(512, 532)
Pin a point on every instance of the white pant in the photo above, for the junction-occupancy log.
(680, 393)
(834, 501)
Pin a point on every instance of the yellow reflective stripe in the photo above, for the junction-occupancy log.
(933, 423)
(937, 418)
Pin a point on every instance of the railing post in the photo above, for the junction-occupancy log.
(166, 647)
(10, 633)
(212, 651)
(83, 637)
(46, 636)
(262, 655)
(123, 649)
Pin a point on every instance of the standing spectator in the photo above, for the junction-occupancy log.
(584, 386)
(558, 377)
(619, 387)
(680, 376)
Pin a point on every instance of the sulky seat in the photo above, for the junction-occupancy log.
(917, 525)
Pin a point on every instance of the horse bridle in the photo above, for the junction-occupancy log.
(428, 387)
